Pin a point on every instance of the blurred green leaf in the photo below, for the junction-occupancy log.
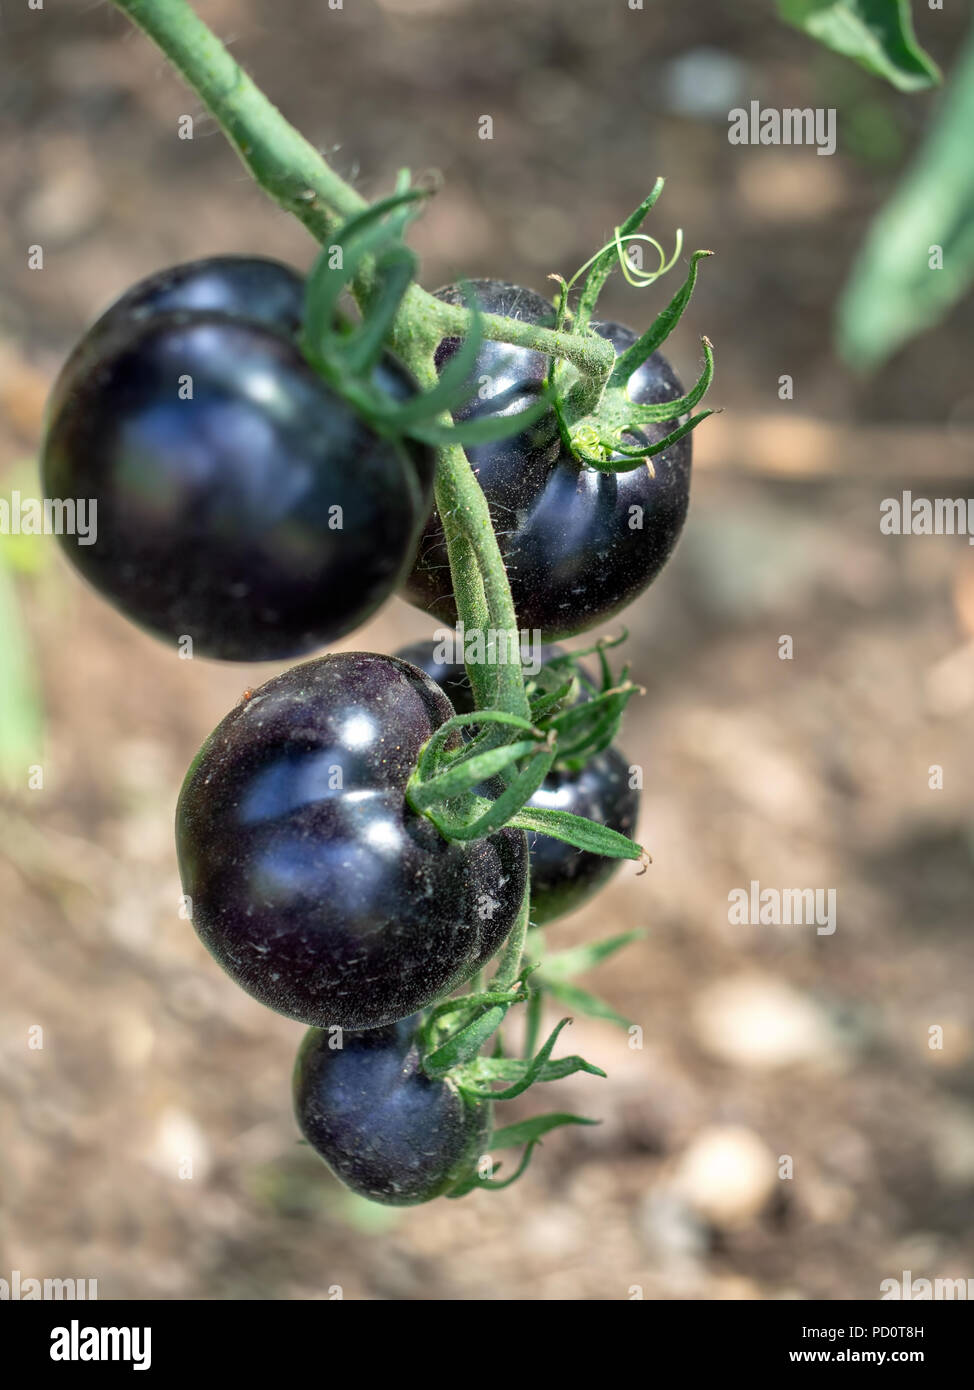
(872, 132)
(530, 1131)
(877, 34)
(892, 292)
(578, 959)
(583, 1001)
(20, 714)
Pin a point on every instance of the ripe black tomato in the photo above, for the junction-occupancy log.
(383, 1127)
(242, 287)
(578, 545)
(311, 881)
(450, 676)
(562, 877)
(240, 501)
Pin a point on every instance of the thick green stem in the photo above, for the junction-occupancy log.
(296, 176)
(300, 180)
(281, 160)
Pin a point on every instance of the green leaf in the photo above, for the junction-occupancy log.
(530, 1131)
(466, 774)
(432, 753)
(453, 386)
(589, 727)
(636, 457)
(609, 259)
(564, 965)
(464, 1046)
(892, 292)
(520, 1073)
(577, 831)
(660, 329)
(582, 1001)
(394, 270)
(672, 410)
(519, 791)
(550, 701)
(378, 228)
(20, 711)
(877, 34)
(482, 431)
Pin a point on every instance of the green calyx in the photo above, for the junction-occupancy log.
(587, 388)
(454, 1035)
(572, 719)
(600, 426)
(345, 353)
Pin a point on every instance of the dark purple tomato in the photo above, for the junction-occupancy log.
(245, 287)
(450, 676)
(240, 501)
(311, 881)
(579, 545)
(562, 877)
(242, 287)
(384, 1128)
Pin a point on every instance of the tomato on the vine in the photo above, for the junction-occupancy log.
(578, 544)
(241, 502)
(387, 1130)
(562, 877)
(310, 879)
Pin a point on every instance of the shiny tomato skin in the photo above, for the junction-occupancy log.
(578, 544)
(310, 879)
(388, 1131)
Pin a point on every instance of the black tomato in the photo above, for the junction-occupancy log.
(450, 676)
(242, 287)
(562, 877)
(578, 545)
(382, 1126)
(240, 501)
(310, 880)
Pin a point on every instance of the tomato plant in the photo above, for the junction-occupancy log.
(353, 846)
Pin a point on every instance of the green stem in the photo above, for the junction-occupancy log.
(296, 176)
(532, 1024)
(513, 953)
(300, 180)
(281, 160)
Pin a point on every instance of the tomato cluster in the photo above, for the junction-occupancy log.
(245, 503)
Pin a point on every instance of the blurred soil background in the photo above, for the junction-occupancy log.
(758, 1041)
